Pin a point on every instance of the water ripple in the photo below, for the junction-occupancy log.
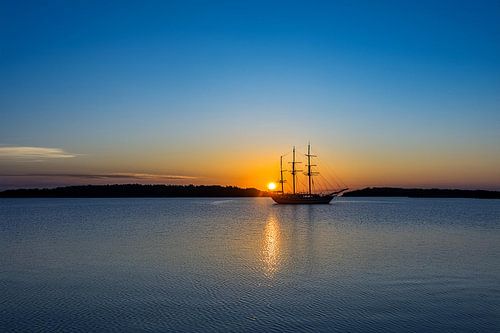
(244, 265)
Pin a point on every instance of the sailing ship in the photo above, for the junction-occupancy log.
(280, 197)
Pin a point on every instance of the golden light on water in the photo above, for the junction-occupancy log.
(271, 251)
(271, 186)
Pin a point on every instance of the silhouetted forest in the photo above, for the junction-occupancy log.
(133, 190)
(422, 193)
(138, 190)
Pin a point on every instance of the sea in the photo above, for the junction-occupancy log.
(248, 265)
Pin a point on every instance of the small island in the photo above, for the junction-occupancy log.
(423, 193)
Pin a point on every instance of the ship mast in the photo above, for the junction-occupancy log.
(281, 176)
(309, 165)
(294, 170)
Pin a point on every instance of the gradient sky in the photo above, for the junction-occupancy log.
(396, 93)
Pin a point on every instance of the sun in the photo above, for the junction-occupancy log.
(271, 186)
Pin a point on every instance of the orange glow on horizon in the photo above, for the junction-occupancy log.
(254, 165)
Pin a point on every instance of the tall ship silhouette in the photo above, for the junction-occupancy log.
(295, 197)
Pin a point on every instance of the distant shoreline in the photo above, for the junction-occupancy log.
(217, 191)
(423, 193)
(134, 191)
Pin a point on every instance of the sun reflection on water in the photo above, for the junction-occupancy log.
(271, 247)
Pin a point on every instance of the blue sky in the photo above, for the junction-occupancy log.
(408, 89)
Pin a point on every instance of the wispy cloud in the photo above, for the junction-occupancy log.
(33, 153)
(124, 175)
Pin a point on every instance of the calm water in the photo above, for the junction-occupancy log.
(386, 265)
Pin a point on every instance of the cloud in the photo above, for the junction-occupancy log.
(124, 175)
(32, 153)
(42, 180)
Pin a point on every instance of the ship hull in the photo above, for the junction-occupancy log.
(302, 199)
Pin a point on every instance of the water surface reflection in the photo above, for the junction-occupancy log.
(244, 265)
(271, 247)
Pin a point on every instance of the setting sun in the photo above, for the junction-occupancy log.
(271, 186)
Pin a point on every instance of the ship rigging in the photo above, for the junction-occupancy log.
(308, 197)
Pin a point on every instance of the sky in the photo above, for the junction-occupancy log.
(389, 93)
